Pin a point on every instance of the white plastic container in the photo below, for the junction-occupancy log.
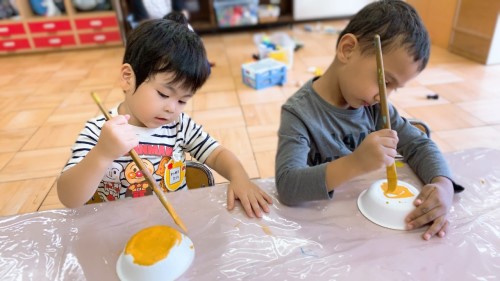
(285, 47)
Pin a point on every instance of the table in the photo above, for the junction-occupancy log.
(323, 240)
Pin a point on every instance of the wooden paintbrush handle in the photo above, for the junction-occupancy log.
(392, 176)
(157, 190)
(382, 91)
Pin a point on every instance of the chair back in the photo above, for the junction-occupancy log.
(198, 175)
(421, 125)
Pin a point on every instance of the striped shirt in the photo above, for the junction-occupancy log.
(161, 149)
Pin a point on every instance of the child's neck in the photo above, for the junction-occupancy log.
(327, 87)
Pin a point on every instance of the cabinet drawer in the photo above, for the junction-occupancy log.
(14, 44)
(54, 41)
(11, 29)
(50, 26)
(96, 22)
(100, 37)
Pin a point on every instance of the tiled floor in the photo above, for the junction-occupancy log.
(45, 100)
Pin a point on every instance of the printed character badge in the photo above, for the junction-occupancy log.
(110, 186)
(172, 170)
(138, 184)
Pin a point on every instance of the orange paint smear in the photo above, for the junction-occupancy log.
(152, 244)
(399, 192)
(266, 229)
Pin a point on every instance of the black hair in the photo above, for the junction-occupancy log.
(164, 46)
(398, 25)
(177, 17)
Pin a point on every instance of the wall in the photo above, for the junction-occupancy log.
(316, 9)
(438, 17)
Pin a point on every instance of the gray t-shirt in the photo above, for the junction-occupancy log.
(313, 132)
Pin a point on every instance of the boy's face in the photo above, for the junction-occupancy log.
(156, 102)
(359, 82)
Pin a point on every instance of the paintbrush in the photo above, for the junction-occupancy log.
(145, 172)
(392, 176)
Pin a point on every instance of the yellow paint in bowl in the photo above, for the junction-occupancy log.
(155, 253)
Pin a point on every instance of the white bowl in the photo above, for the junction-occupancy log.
(388, 209)
(155, 253)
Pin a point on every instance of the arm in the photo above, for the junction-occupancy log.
(300, 178)
(433, 204)
(206, 150)
(435, 199)
(252, 198)
(376, 151)
(77, 184)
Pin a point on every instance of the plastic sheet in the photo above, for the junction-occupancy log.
(316, 241)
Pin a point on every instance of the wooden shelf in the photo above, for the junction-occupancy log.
(71, 30)
(205, 21)
(476, 31)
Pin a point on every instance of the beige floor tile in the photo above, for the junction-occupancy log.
(51, 201)
(23, 196)
(262, 114)
(73, 114)
(297, 77)
(264, 138)
(404, 113)
(445, 117)
(413, 97)
(218, 84)
(266, 162)
(251, 96)
(441, 56)
(214, 100)
(219, 118)
(465, 91)
(81, 96)
(221, 70)
(49, 136)
(34, 164)
(5, 157)
(48, 101)
(289, 89)
(12, 140)
(436, 75)
(471, 138)
(236, 140)
(321, 62)
(6, 78)
(442, 144)
(8, 104)
(24, 119)
(485, 110)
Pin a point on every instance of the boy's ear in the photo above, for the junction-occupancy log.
(127, 77)
(347, 46)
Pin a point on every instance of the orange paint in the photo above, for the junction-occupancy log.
(266, 229)
(152, 244)
(399, 192)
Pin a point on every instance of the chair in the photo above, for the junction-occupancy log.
(198, 175)
(421, 125)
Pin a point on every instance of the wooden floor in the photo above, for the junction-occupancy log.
(45, 101)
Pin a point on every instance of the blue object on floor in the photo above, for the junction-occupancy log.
(264, 73)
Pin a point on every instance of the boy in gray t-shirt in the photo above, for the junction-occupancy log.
(331, 129)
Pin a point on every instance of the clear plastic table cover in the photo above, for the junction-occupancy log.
(326, 240)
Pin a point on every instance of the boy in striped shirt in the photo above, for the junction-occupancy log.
(163, 66)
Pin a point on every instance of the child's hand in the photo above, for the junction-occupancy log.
(252, 198)
(117, 138)
(433, 204)
(377, 150)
